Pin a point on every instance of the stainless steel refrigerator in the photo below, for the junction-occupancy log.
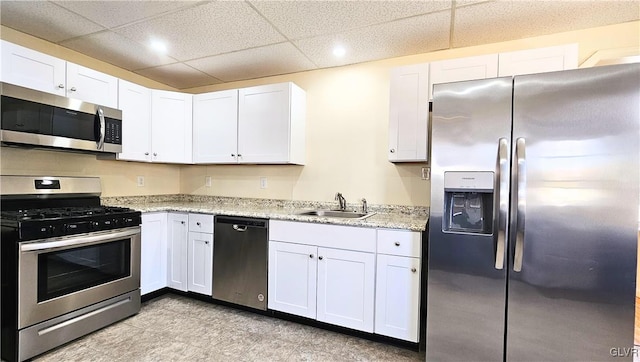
(534, 217)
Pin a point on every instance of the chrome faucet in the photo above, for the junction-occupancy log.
(341, 201)
(365, 208)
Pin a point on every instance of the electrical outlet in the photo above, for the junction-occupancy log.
(426, 173)
(263, 182)
(140, 181)
(207, 181)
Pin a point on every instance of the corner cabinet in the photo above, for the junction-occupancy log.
(323, 272)
(153, 251)
(409, 114)
(271, 124)
(171, 129)
(31, 69)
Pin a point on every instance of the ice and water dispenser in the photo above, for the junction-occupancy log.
(468, 202)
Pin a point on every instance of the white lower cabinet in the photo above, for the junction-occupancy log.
(177, 251)
(292, 278)
(398, 297)
(153, 251)
(311, 275)
(200, 254)
(345, 293)
(200, 263)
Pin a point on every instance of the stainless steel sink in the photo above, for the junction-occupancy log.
(337, 214)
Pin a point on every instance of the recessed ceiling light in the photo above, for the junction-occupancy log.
(158, 46)
(339, 51)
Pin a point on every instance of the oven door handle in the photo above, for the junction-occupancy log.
(77, 241)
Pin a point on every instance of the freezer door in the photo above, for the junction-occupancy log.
(466, 280)
(574, 215)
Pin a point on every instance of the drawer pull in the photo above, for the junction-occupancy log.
(397, 243)
(198, 223)
(413, 270)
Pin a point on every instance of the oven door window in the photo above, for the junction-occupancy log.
(71, 270)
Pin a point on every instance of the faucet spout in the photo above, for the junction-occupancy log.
(342, 202)
(365, 208)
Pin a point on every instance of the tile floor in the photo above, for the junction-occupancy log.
(177, 328)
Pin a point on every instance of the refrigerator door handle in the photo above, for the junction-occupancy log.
(502, 169)
(521, 182)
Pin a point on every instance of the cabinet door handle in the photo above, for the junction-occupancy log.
(239, 155)
(392, 150)
(233, 155)
(61, 86)
(198, 223)
(320, 258)
(311, 256)
(146, 153)
(397, 243)
(206, 243)
(73, 89)
(182, 222)
(155, 154)
(413, 270)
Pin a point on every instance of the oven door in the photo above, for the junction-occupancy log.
(60, 275)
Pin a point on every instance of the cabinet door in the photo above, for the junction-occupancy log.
(539, 60)
(292, 278)
(153, 251)
(200, 263)
(171, 136)
(346, 288)
(215, 127)
(398, 297)
(31, 69)
(455, 70)
(135, 103)
(177, 251)
(263, 124)
(409, 113)
(91, 86)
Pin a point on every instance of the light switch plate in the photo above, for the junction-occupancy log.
(207, 181)
(263, 182)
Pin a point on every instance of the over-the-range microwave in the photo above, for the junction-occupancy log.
(38, 119)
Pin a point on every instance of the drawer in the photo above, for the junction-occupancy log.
(399, 242)
(202, 223)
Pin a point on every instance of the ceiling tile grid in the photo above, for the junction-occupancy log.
(210, 42)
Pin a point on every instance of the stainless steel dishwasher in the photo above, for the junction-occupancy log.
(240, 261)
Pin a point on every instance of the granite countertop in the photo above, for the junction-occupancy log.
(386, 216)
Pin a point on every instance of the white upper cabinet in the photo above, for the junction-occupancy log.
(92, 86)
(455, 70)
(271, 124)
(135, 103)
(539, 60)
(171, 136)
(31, 69)
(409, 113)
(215, 127)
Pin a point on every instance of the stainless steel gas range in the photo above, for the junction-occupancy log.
(69, 265)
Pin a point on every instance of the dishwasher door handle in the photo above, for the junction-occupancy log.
(237, 227)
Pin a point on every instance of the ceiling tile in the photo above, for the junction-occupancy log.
(122, 12)
(254, 63)
(45, 20)
(117, 50)
(299, 19)
(178, 75)
(507, 20)
(206, 30)
(403, 37)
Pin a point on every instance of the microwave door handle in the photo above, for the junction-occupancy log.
(521, 203)
(502, 193)
(102, 128)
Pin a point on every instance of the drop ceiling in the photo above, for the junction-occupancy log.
(211, 42)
